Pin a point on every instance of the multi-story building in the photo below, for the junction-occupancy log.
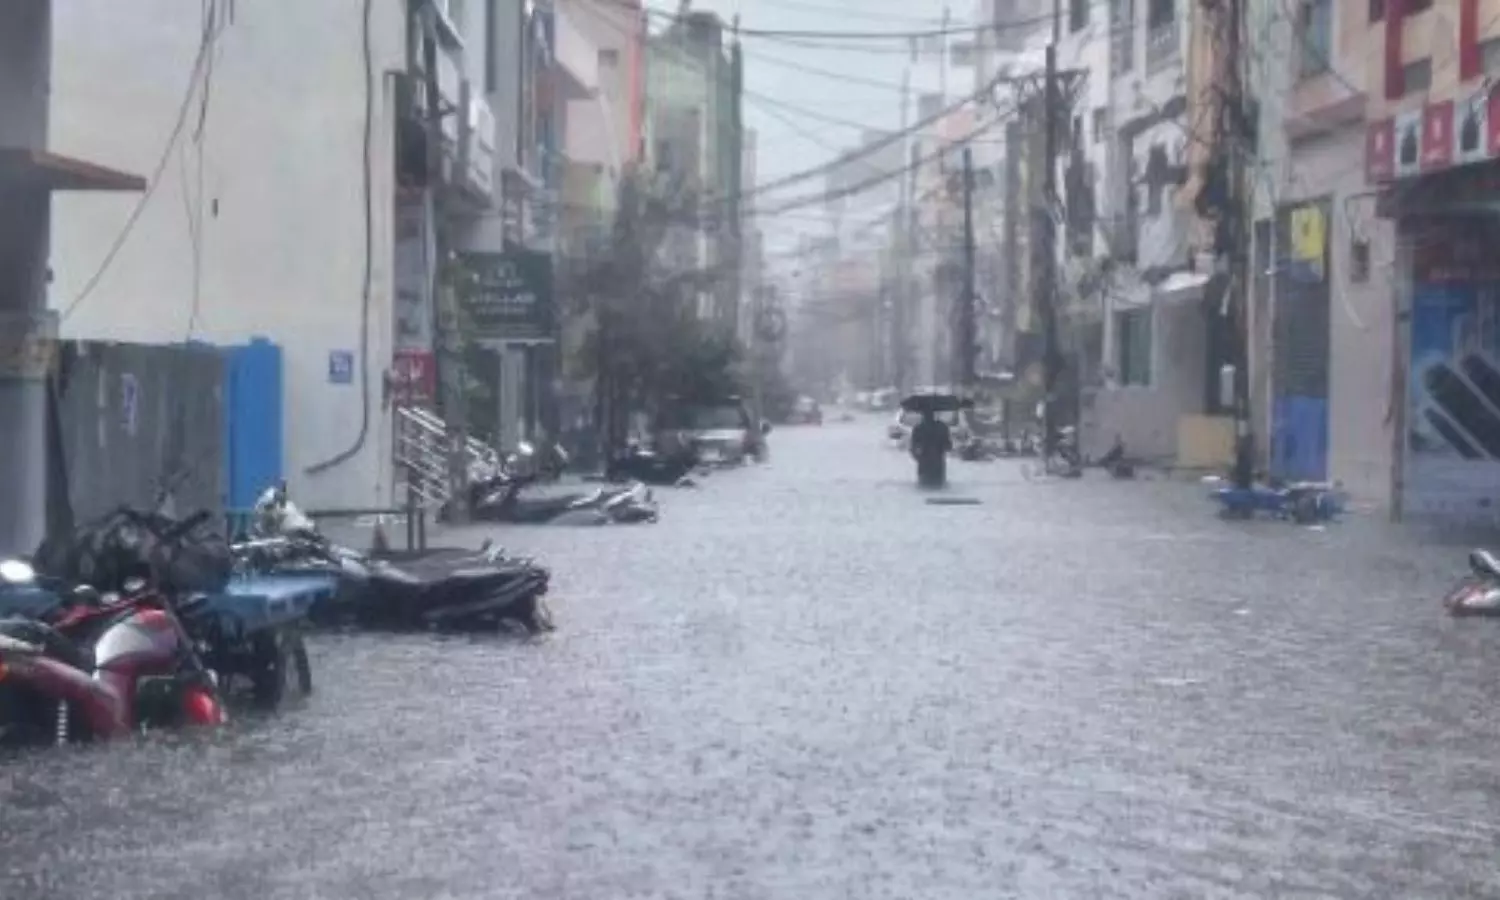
(30, 172)
(1321, 325)
(1432, 137)
(1164, 341)
(280, 137)
(694, 132)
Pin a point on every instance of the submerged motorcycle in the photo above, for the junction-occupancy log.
(1478, 593)
(436, 589)
(106, 666)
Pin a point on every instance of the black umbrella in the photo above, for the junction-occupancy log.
(935, 403)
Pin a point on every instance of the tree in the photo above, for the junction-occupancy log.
(645, 346)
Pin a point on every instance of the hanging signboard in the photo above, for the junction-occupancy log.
(510, 297)
(415, 377)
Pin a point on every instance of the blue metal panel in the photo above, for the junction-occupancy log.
(1299, 439)
(252, 420)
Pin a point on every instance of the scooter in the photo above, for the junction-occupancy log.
(1478, 593)
(108, 667)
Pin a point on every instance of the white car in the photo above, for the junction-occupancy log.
(900, 428)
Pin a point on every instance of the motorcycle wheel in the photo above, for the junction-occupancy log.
(282, 667)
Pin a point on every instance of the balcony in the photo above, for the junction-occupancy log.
(468, 127)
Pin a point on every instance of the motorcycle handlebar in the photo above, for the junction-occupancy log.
(167, 535)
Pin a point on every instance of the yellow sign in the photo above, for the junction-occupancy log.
(1309, 236)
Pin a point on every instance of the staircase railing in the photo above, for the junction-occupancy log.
(421, 455)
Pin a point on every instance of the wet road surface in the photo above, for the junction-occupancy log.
(807, 683)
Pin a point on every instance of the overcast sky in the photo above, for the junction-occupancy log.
(784, 104)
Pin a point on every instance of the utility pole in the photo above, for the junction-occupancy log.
(968, 327)
(904, 219)
(449, 356)
(1232, 148)
(1047, 307)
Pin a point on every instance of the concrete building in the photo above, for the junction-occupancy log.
(694, 141)
(1321, 320)
(1432, 138)
(278, 137)
(31, 171)
(1162, 343)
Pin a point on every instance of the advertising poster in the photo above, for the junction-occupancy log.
(1453, 414)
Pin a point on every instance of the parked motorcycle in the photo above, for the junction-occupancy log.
(1478, 593)
(504, 498)
(435, 589)
(650, 466)
(107, 666)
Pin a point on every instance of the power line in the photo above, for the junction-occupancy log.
(861, 186)
(205, 49)
(850, 10)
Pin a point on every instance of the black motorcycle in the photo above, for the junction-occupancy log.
(450, 588)
(649, 466)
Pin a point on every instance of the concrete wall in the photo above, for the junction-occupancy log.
(274, 242)
(1147, 417)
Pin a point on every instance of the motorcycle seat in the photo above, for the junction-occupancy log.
(53, 642)
(1483, 562)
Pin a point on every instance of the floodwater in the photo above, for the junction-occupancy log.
(806, 682)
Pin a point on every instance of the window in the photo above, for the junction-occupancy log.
(1122, 36)
(1417, 77)
(491, 57)
(1133, 343)
(1101, 123)
(1315, 23)
(1489, 55)
(1159, 13)
(1078, 14)
(609, 59)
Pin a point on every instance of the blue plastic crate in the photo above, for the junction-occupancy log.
(257, 602)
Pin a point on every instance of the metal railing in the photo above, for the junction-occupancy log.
(421, 455)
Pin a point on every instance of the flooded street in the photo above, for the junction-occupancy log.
(805, 682)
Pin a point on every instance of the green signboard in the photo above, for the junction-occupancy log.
(509, 296)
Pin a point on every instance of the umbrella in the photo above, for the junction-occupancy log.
(936, 403)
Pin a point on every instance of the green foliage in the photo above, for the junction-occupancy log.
(645, 345)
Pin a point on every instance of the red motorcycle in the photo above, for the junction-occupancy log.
(103, 668)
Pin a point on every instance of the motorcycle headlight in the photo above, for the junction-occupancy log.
(17, 571)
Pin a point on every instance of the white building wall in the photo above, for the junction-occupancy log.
(1361, 341)
(281, 246)
(1087, 50)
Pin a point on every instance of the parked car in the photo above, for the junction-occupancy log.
(900, 428)
(723, 434)
(805, 411)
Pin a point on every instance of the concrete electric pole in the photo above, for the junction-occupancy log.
(968, 326)
(449, 350)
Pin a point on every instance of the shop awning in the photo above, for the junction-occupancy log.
(55, 172)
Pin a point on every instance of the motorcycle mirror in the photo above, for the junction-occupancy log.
(86, 594)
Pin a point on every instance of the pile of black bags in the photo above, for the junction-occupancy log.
(178, 557)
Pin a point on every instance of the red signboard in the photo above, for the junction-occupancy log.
(415, 376)
(1380, 155)
(1437, 136)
